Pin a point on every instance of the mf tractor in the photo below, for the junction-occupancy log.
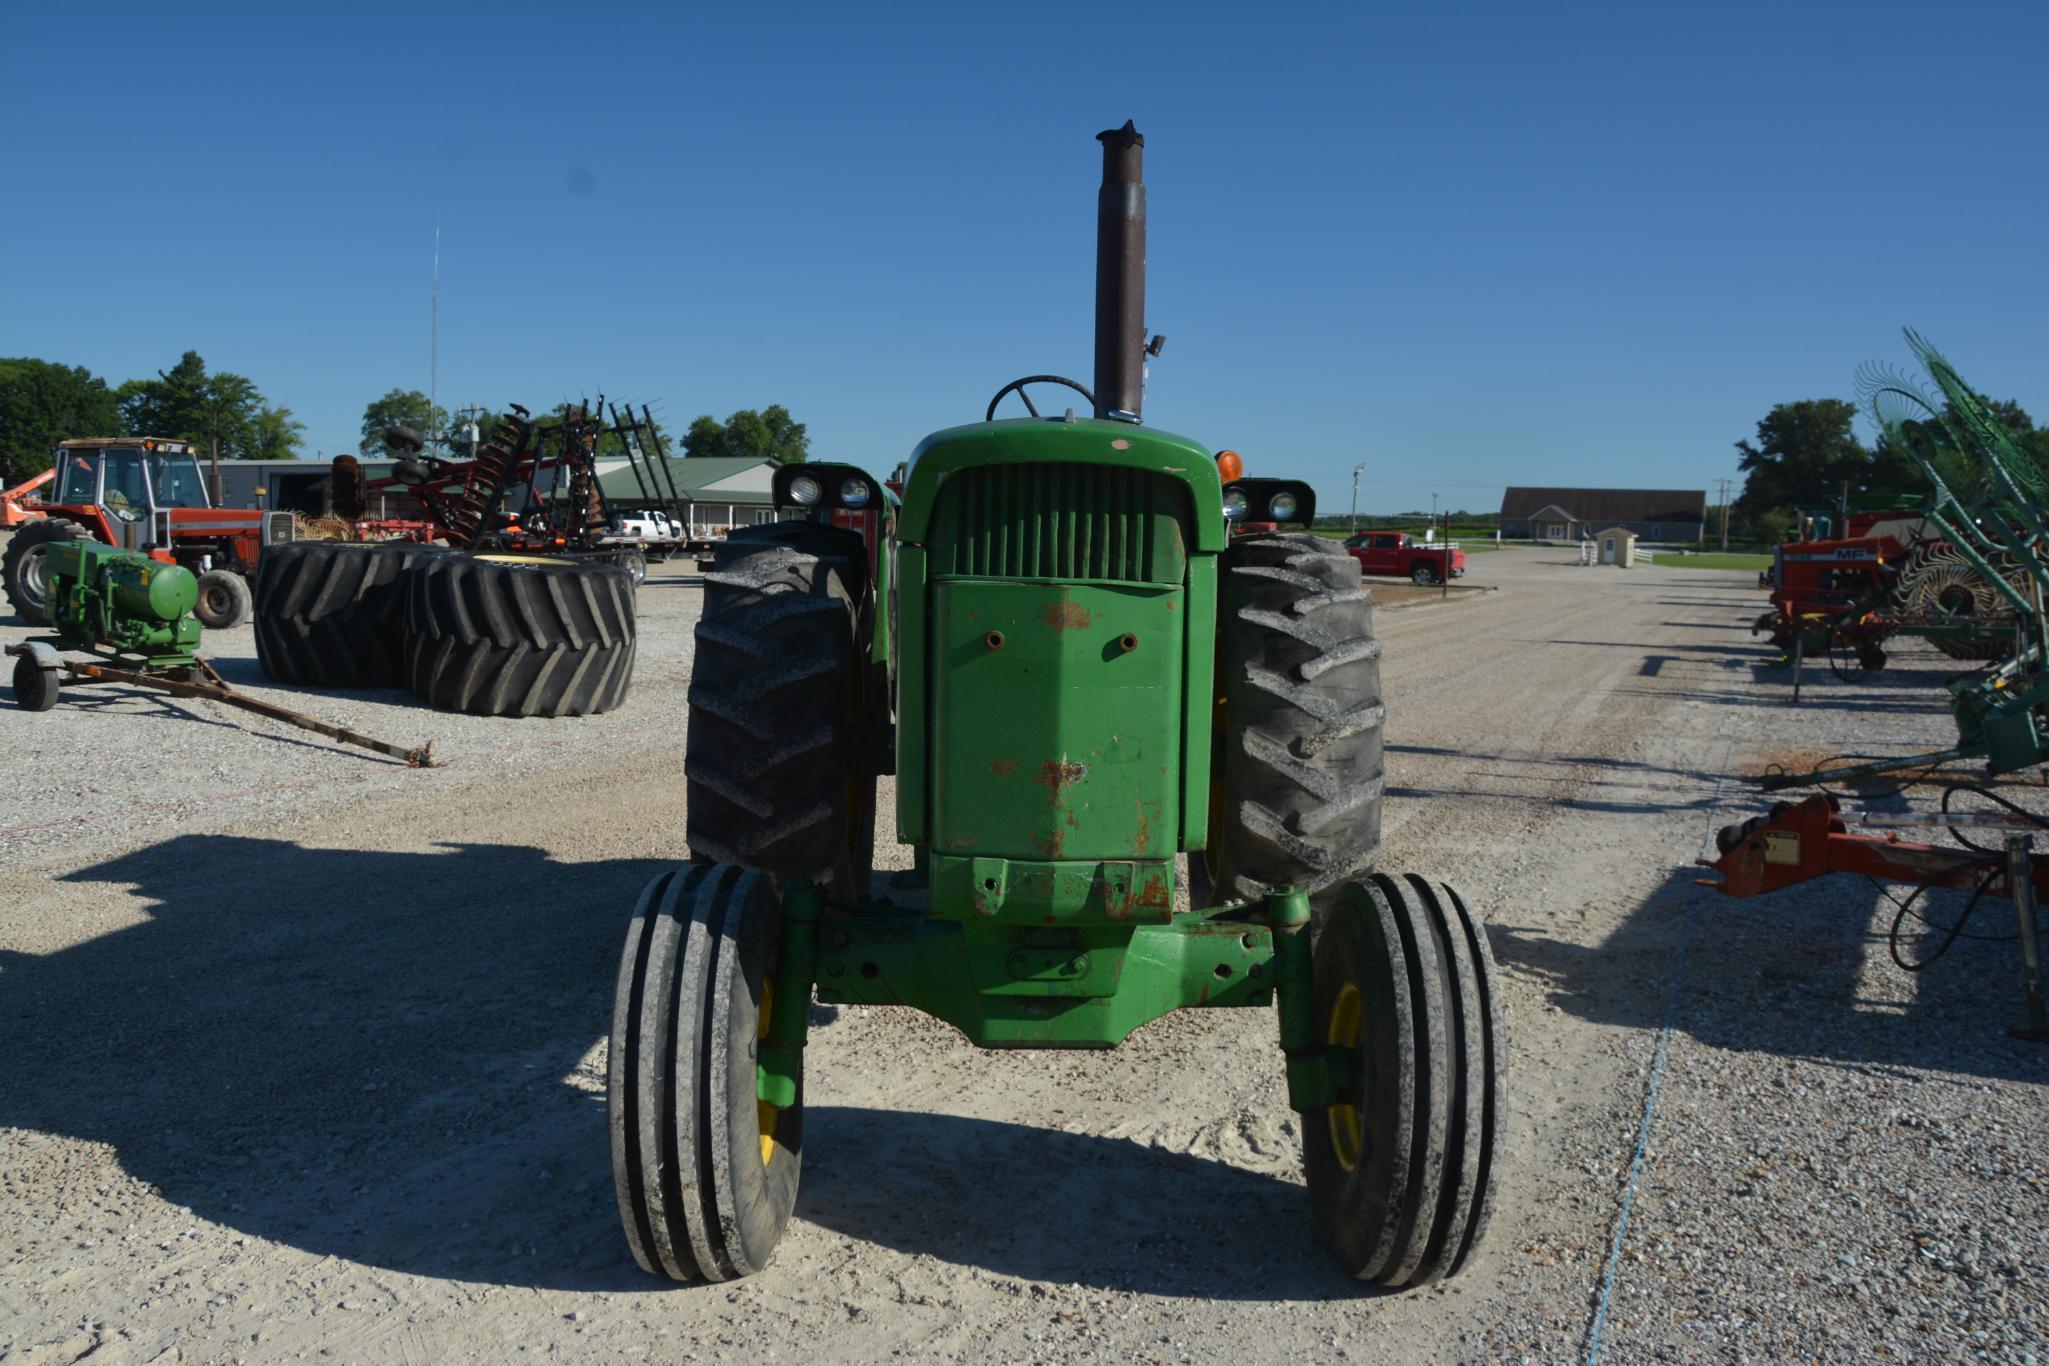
(1080, 680)
(142, 494)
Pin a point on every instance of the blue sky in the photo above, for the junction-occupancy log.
(1466, 245)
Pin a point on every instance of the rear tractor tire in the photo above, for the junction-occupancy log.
(332, 615)
(224, 600)
(1401, 1171)
(21, 568)
(705, 1173)
(774, 699)
(1301, 731)
(518, 635)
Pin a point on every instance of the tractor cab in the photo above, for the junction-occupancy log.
(144, 494)
(129, 480)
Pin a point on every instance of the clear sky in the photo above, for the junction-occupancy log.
(1466, 245)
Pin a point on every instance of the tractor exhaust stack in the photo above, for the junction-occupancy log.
(1120, 276)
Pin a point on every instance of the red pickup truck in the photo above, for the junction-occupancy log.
(1397, 552)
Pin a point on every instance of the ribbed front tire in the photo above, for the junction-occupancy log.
(518, 635)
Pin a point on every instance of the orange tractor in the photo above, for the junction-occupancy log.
(144, 494)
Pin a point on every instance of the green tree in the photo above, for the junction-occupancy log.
(42, 403)
(279, 436)
(192, 405)
(770, 434)
(1801, 457)
(401, 408)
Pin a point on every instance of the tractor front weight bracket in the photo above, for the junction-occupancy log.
(778, 1062)
(1317, 1073)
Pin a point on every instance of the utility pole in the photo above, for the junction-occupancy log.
(1355, 496)
(1722, 497)
(1433, 516)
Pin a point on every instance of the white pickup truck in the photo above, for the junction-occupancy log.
(650, 525)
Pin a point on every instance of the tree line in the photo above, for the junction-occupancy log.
(1807, 456)
(43, 402)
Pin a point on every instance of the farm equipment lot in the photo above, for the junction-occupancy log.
(309, 1048)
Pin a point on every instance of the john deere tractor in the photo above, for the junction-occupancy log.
(1079, 679)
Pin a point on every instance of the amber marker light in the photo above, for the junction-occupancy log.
(1229, 466)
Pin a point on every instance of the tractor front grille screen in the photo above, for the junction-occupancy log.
(1061, 521)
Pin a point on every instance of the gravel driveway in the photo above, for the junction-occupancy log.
(304, 1051)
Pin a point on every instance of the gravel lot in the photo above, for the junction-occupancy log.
(305, 1050)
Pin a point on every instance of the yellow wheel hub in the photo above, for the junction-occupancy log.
(766, 1115)
(1347, 1130)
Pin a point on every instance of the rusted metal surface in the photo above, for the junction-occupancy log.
(1120, 275)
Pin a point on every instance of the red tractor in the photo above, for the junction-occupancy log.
(144, 494)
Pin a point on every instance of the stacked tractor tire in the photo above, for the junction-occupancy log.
(492, 635)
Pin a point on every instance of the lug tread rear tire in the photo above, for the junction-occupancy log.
(497, 638)
(29, 542)
(332, 615)
(1303, 776)
(771, 691)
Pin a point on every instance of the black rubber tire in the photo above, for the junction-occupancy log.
(1401, 1174)
(773, 698)
(518, 635)
(704, 1193)
(333, 615)
(224, 600)
(1302, 766)
(35, 687)
(1422, 575)
(21, 566)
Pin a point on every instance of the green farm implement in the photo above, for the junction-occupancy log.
(1082, 684)
(134, 614)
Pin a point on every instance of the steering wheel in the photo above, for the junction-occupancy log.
(1017, 386)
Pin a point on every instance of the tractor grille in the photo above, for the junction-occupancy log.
(1061, 521)
(280, 527)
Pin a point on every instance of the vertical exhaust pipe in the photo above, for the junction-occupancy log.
(1120, 276)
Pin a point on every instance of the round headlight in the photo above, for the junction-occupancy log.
(854, 493)
(805, 489)
(1234, 503)
(1282, 506)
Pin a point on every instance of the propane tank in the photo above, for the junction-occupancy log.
(142, 587)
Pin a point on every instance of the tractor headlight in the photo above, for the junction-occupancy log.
(1283, 507)
(854, 493)
(1234, 503)
(805, 489)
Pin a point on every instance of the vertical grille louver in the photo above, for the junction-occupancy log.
(1061, 521)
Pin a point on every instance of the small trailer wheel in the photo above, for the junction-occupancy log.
(1401, 1170)
(705, 1173)
(35, 687)
(224, 600)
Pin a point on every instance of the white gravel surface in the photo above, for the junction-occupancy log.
(304, 1051)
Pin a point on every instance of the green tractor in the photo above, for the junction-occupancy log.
(1078, 677)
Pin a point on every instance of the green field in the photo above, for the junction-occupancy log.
(1668, 560)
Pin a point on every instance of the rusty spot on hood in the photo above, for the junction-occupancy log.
(1003, 768)
(1067, 615)
(1056, 775)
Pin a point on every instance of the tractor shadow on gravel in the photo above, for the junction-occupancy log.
(1046, 1205)
(1785, 974)
(380, 1056)
(392, 1058)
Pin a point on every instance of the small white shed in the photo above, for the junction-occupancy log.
(1618, 547)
